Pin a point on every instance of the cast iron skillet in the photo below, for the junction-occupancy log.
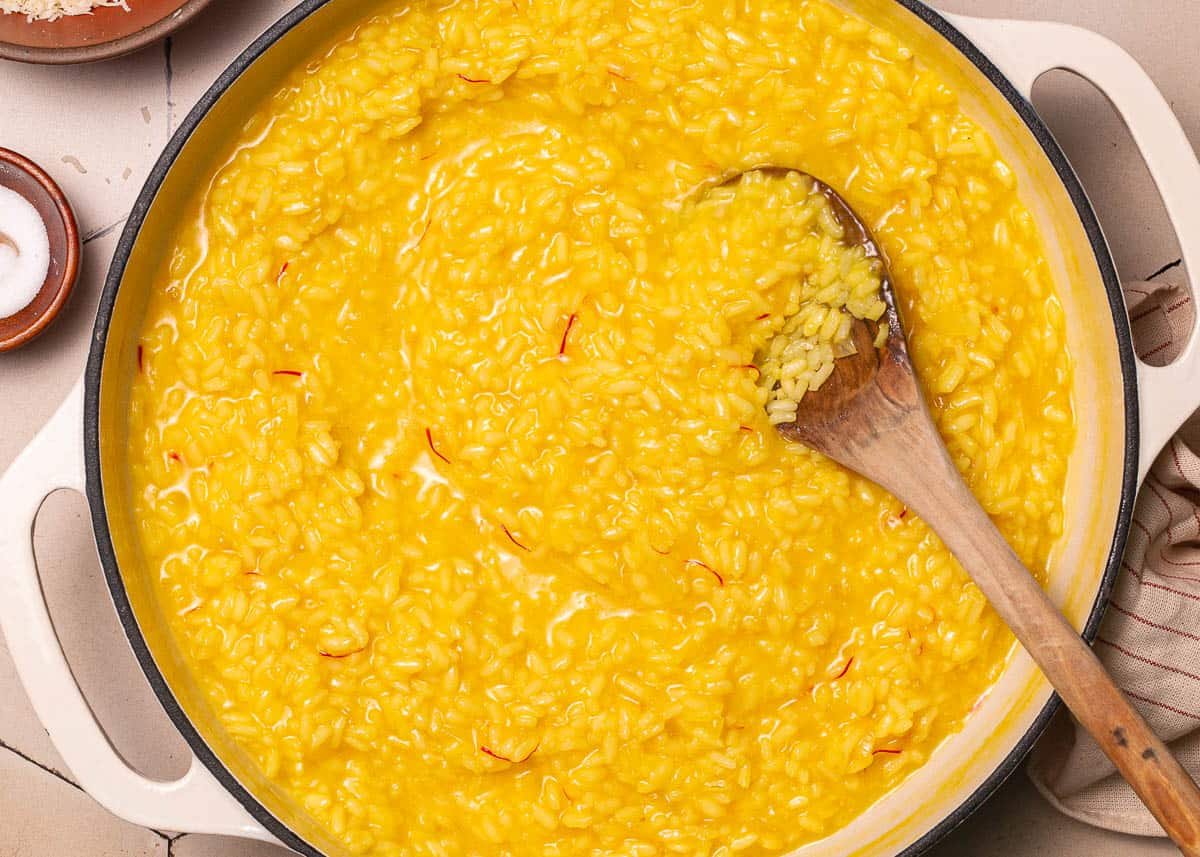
(95, 489)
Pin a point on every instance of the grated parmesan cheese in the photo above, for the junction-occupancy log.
(52, 10)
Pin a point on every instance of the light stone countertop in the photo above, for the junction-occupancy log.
(97, 130)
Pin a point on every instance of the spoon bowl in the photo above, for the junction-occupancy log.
(870, 416)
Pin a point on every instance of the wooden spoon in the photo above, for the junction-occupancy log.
(870, 416)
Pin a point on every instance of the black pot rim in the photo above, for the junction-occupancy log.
(145, 199)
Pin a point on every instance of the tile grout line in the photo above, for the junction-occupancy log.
(169, 71)
(170, 840)
(103, 230)
(49, 770)
(1165, 268)
(59, 775)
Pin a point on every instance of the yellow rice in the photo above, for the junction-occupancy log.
(465, 506)
(779, 234)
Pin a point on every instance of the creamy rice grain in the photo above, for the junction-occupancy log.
(453, 470)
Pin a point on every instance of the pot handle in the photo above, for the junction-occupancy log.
(1024, 50)
(194, 803)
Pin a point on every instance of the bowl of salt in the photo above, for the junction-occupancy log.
(39, 250)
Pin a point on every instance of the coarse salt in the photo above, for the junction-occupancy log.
(24, 252)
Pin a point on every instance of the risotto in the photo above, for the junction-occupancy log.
(780, 232)
(451, 458)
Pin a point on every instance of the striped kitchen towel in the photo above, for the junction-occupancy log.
(1150, 637)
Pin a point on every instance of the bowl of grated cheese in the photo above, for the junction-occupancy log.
(59, 32)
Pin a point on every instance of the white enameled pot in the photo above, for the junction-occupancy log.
(1126, 411)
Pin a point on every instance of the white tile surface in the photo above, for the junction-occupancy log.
(223, 846)
(44, 816)
(100, 150)
(113, 119)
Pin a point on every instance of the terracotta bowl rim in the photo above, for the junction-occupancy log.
(65, 283)
(110, 49)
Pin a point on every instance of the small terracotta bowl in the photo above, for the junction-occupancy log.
(107, 32)
(28, 179)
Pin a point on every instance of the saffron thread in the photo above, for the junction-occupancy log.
(513, 538)
(562, 345)
(487, 751)
(434, 449)
(708, 568)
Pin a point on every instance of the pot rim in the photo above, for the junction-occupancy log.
(92, 375)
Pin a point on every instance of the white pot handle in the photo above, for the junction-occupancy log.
(1024, 50)
(194, 803)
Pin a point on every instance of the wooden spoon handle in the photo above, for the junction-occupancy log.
(870, 416)
(1080, 679)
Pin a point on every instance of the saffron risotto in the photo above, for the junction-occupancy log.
(450, 454)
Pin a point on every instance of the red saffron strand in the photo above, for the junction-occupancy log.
(660, 553)
(473, 79)
(903, 512)
(291, 372)
(282, 271)
(845, 669)
(139, 358)
(562, 345)
(175, 456)
(765, 315)
(746, 429)
(886, 750)
(513, 538)
(434, 449)
(490, 752)
(708, 568)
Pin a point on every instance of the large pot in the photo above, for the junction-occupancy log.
(1126, 412)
